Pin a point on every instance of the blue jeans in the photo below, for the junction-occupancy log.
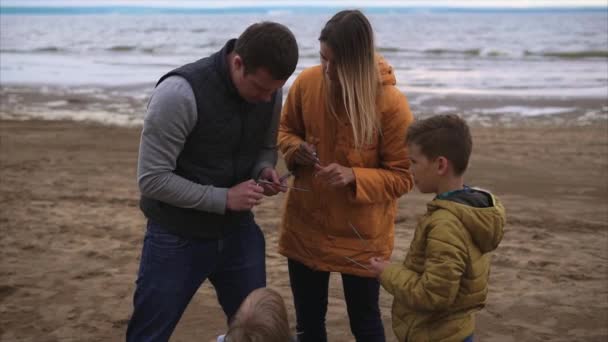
(172, 268)
(468, 339)
(310, 289)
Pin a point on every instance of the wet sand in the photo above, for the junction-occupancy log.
(71, 235)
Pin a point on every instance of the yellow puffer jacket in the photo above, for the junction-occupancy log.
(317, 226)
(444, 278)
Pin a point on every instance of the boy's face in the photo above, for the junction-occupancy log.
(424, 170)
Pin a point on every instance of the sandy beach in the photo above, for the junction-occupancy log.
(71, 234)
(530, 77)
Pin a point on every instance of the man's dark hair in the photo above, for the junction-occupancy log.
(443, 135)
(268, 45)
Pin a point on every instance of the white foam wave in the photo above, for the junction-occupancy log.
(102, 117)
(526, 111)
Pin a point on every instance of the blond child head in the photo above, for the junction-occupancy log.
(262, 317)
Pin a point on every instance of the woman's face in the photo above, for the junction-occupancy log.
(328, 63)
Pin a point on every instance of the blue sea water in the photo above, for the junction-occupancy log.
(560, 53)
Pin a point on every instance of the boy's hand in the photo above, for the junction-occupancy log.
(377, 265)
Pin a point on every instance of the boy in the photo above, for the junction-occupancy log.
(444, 278)
(262, 317)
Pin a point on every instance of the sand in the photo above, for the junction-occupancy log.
(71, 235)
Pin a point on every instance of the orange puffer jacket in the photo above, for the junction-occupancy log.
(320, 228)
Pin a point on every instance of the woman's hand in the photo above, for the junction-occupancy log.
(335, 174)
(274, 185)
(306, 155)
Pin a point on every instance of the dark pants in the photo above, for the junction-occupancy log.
(310, 299)
(172, 269)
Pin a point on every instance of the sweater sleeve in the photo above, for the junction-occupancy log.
(436, 288)
(171, 116)
(392, 178)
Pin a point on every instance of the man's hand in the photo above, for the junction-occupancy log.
(269, 174)
(377, 265)
(306, 155)
(244, 196)
(335, 174)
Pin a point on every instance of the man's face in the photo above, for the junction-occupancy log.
(257, 86)
(423, 170)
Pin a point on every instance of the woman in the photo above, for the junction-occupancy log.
(342, 134)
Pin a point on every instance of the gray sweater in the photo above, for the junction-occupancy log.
(171, 116)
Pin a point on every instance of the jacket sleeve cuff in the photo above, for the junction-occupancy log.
(288, 155)
(387, 276)
(359, 194)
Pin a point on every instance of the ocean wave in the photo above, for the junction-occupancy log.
(526, 110)
(158, 29)
(49, 49)
(157, 49)
(139, 64)
(122, 48)
(389, 49)
(569, 54)
(467, 52)
(52, 49)
(503, 54)
(496, 53)
(448, 68)
(474, 52)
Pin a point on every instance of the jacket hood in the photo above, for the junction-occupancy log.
(484, 221)
(386, 71)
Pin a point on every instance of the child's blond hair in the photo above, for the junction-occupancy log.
(262, 317)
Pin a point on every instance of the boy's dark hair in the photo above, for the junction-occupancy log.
(443, 135)
(268, 45)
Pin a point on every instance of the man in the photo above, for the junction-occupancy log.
(209, 135)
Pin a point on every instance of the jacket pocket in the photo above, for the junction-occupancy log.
(163, 239)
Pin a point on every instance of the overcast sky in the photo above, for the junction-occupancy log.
(351, 3)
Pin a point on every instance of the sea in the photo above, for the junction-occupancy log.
(542, 61)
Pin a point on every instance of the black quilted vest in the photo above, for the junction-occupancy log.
(221, 150)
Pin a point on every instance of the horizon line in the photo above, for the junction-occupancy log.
(213, 4)
(255, 6)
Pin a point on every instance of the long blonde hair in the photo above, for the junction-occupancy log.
(349, 35)
(262, 317)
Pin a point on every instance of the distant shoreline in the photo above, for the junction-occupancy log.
(125, 106)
